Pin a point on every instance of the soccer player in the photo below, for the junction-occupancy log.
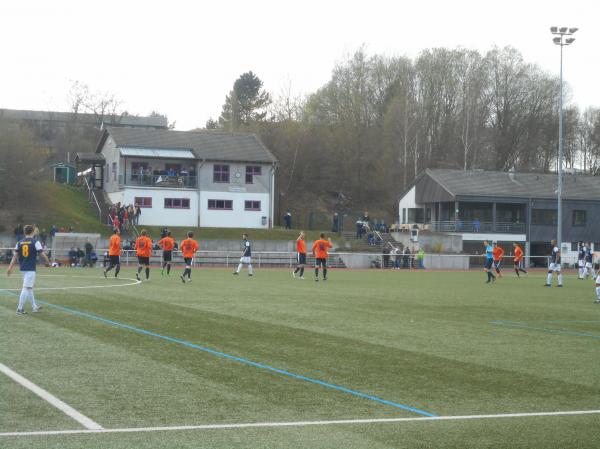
(497, 253)
(518, 259)
(597, 301)
(589, 262)
(167, 244)
(114, 251)
(143, 247)
(319, 250)
(581, 259)
(188, 247)
(26, 253)
(301, 257)
(246, 256)
(554, 265)
(489, 261)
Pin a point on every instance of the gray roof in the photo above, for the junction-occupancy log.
(515, 185)
(110, 120)
(208, 145)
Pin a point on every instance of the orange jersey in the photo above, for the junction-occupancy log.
(320, 247)
(167, 243)
(143, 246)
(498, 253)
(301, 246)
(114, 245)
(518, 254)
(189, 247)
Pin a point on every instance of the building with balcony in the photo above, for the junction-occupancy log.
(189, 178)
(521, 207)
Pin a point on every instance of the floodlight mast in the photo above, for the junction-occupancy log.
(561, 39)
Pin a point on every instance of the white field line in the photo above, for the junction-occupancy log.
(296, 423)
(134, 282)
(51, 399)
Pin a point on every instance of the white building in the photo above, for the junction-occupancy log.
(190, 178)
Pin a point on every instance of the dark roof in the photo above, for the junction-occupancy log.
(208, 145)
(515, 185)
(90, 158)
(108, 120)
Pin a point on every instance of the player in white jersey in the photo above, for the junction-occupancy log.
(554, 266)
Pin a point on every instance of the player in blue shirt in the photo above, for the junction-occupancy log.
(246, 256)
(489, 262)
(589, 262)
(26, 252)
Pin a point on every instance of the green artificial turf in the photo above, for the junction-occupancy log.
(435, 342)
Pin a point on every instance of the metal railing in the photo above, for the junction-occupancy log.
(178, 181)
(475, 226)
(92, 197)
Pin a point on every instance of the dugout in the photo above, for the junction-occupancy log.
(64, 241)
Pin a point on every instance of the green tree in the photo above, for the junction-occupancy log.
(246, 104)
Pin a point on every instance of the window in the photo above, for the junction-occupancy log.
(404, 215)
(114, 171)
(415, 215)
(574, 246)
(220, 204)
(220, 173)
(252, 205)
(107, 174)
(578, 218)
(543, 217)
(177, 203)
(251, 172)
(137, 167)
(143, 201)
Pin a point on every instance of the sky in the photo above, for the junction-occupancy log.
(182, 57)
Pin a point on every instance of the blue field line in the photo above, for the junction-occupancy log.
(237, 359)
(573, 321)
(551, 330)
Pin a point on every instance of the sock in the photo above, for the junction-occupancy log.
(296, 270)
(523, 270)
(32, 299)
(189, 271)
(147, 272)
(585, 272)
(250, 269)
(301, 271)
(239, 268)
(22, 299)
(168, 268)
(316, 272)
(549, 278)
(117, 270)
(109, 268)
(559, 278)
(492, 275)
(324, 273)
(517, 271)
(164, 265)
(140, 269)
(581, 273)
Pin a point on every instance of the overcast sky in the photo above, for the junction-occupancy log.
(182, 57)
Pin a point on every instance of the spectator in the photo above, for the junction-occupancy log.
(386, 257)
(89, 248)
(53, 230)
(164, 233)
(365, 218)
(476, 225)
(72, 257)
(80, 256)
(138, 212)
(125, 218)
(421, 258)
(92, 179)
(406, 258)
(288, 220)
(36, 230)
(335, 223)
(359, 229)
(43, 237)
(371, 238)
(19, 232)
(397, 255)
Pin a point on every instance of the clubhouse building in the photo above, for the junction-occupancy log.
(189, 178)
(521, 207)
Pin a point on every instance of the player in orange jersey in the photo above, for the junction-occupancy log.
(143, 250)
(497, 253)
(301, 256)
(167, 244)
(518, 259)
(319, 250)
(188, 247)
(114, 251)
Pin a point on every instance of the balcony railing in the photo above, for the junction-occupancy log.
(476, 226)
(168, 181)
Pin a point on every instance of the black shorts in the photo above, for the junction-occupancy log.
(167, 256)
(188, 260)
(518, 263)
(143, 260)
(321, 263)
(301, 258)
(488, 264)
(114, 260)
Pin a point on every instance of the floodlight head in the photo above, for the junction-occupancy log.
(573, 30)
(553, 29)
(563, 29)
(556, 40)
(570, 40)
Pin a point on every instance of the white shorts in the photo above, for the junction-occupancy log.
(245, 259)
(554, 267)
(588, 264)
(28, 278)
(581, 263)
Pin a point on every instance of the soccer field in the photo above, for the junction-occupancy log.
(368, 359)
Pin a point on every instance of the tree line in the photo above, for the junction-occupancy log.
(363, 137)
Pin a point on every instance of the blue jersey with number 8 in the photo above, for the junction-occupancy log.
(27, 249)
